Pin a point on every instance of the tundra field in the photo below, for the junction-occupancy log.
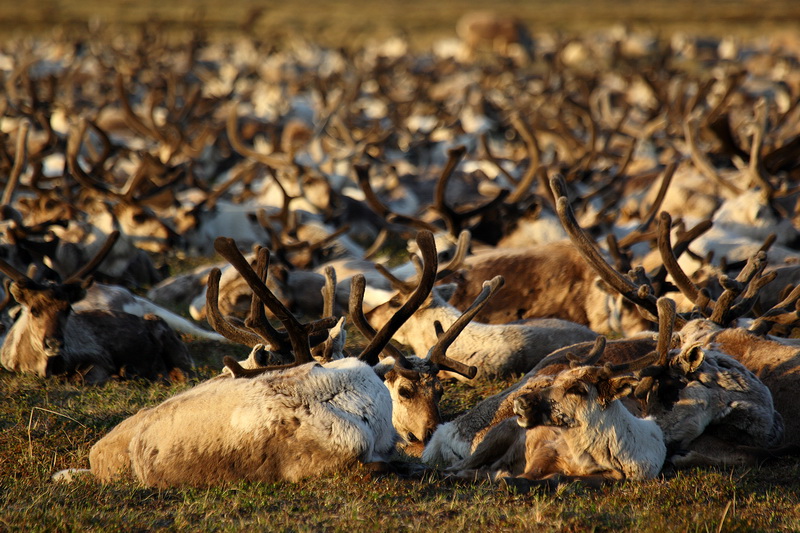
(674, 97)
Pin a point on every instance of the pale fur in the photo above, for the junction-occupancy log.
(774, 361)
(497, 350)
(590, 434)
(283, 425)
(112, 297)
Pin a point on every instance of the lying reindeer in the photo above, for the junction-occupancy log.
(281, 422)
(50, 338)
(573, 428)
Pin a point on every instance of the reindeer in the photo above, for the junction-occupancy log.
(573, 428)
(279, 422)
(480, 29)
(50, 338)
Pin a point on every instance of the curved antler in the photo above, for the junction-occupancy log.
(358, 285)
(437, 353)
(98, 258)
(298, 336)
(455, 219)
(631, 291)
(427, 278)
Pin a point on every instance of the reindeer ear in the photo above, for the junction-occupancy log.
(19, 291)
(445, 291)
(689, 359)
(615, 388)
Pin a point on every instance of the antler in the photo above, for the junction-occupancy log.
(749, 281)
(19, 161)
(358, 285)
(787, 311)
(362, 175)
(95, 262)
(298, 333)
(455, 219)
(438, 355)
(638, 294)
(407, 287)
(427, 278)
(666, 326)
(592, 357)
(273, 161)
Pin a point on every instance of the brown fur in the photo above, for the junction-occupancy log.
(550, 280)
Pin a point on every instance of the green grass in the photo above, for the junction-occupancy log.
(48, 424)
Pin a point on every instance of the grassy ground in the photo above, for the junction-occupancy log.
(47, 425)
(349, 22)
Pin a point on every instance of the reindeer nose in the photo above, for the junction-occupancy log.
(53, 345)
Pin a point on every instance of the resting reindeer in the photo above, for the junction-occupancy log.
(691, 393)
(574, 427)
(282, 422)
(50, 338)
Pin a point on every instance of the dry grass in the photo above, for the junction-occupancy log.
(351, 22)
(47, 425)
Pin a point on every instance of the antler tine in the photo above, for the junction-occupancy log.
(245, 151)
(74, 141)
(588, 251)
(357, 287)
(669, 172)
(19, 161)
(592, 357)
(785, 308)
(454, 219)
(329, 292)
(404, 287)
(462, 247)
(700, 161)
(749, 281)
(534, 152)
(374, 203)
(427, 247)
(756, 168)
(256, 320)
(438, 353)
(679, 277)
(667, 314)
(98, 258)
(218, 322)
(298, 336)
(13, 273)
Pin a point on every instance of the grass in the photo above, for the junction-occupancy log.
(351, 22)
(48, 424)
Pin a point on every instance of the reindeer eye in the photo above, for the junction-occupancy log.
(140, 218)
(35, 312)
(405, 392)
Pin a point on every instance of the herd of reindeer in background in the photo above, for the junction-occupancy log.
(613, 218)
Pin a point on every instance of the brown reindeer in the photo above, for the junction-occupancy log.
(50, 338)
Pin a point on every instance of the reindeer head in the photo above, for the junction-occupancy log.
(45, 309)
(412, 383)
(576, 395)
(38, 335)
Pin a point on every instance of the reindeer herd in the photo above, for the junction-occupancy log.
(612, 220)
